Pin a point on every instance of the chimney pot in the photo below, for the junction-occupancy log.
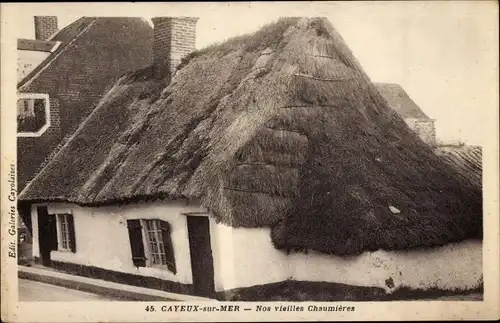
(45, 27)
(174, 38)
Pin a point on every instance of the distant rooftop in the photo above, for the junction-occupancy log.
(399, 100)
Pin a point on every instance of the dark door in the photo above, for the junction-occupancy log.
(47, 234)
(202, 264)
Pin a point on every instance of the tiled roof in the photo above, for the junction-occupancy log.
(65, 36)
(399, 100)
(70, 33)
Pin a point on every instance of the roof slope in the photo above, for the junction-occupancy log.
(65, 36)
(70, 33)
(399, 100)
(467, 160)
(281, 128)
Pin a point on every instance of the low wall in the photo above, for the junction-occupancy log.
(246, 257)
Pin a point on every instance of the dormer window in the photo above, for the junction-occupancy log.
(33, 114)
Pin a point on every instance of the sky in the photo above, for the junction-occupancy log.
(444, 54)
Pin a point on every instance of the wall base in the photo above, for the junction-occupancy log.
(123, 278)
(291, 290)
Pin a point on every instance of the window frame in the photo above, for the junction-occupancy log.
(45, 97)
(60, 240)
(148, 254)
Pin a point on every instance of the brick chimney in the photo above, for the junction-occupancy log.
(45, 26)
(174, 38)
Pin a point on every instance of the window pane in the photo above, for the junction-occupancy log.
(153, 225)
(162, 248)
(154, 248)
(155, 242)
(64, 228)
(31, 115)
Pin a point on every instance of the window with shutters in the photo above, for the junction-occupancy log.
(151, 244)
(66, 236)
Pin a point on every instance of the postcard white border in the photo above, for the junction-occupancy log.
(14, 311)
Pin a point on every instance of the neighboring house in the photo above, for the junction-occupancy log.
(62, 74)
(407, 109)
(467, 160)
(270, 168)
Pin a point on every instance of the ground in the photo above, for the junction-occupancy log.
(468, 297)
(36, 291)
(39, 292)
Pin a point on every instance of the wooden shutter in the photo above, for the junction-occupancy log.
(71, 229)
(52, 231)
(167, 243)
(136, 244)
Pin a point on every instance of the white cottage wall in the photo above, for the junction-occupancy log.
(454, 266)
(246, 257)
(34, 225)
(102, 237)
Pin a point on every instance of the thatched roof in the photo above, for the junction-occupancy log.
(281, 128)
(467, 161)
(400, 101)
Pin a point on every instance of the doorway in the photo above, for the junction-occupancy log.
(202, 264)
(47, 234)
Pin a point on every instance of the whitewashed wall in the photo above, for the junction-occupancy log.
(34, 225)
(246, 257)
(27, 60)
(102, 237)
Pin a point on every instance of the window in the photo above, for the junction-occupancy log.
(33, 112)
(156, 247)
(63, 225)
(66, 236)
(151, 244)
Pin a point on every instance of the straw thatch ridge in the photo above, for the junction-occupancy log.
(281, 128)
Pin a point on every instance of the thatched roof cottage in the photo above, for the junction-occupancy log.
(266, 164)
